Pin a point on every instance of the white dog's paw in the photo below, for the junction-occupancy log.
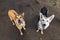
(42, 32)
(37, 31)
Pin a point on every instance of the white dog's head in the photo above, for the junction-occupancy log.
(45, 21)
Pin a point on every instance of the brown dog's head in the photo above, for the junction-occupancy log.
(20, 18)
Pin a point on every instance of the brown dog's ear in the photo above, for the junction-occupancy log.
(22, 14)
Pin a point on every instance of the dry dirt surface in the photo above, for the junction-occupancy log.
(31, 9)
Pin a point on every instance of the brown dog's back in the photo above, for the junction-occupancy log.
(12, 14)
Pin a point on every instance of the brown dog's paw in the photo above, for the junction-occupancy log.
(21, 33)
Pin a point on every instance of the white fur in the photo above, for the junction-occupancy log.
(44, 21)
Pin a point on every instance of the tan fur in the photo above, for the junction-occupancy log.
(14, 17)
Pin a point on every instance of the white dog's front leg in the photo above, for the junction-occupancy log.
(41, 30)
(38, 29)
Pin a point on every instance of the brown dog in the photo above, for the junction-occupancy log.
(17, 20)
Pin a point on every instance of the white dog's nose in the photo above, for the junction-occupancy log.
(44, 25)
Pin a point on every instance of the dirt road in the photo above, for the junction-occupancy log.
(31, 9)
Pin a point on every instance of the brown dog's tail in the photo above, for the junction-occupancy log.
(13, 11)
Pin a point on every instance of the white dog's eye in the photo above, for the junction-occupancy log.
(47, 20)
(42, 20)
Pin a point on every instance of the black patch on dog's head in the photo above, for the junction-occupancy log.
(44, 11)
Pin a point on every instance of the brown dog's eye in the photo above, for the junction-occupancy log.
(20, 17)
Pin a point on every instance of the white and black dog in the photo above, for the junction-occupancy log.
(44, 22)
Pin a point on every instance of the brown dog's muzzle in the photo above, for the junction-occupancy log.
(19, 21)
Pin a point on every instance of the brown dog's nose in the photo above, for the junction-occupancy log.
(19, 21)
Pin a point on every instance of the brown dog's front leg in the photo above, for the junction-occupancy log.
(13, 22)
(21, 32)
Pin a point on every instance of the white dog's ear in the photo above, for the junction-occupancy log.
(51, 18)
(22, 14)
(42, 16)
